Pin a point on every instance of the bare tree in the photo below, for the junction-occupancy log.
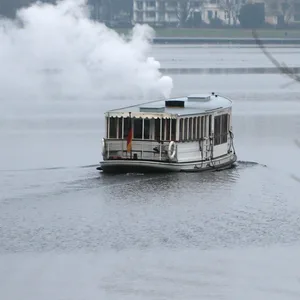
(282, 9)
(186, 8)
(284, 69)
(231, 9)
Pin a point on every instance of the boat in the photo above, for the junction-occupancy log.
(184, 134)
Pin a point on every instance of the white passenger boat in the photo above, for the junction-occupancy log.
(191, 133)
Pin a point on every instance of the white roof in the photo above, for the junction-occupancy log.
(193, 105)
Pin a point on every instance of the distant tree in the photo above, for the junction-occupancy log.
(186, 9)
(252, 15)
(9, 8)
(122, 6)
(106, 10)
(231, 9)
(284, 10)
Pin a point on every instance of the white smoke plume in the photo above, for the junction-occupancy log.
(57, 51)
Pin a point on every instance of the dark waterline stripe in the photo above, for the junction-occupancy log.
(270, 70)
(239, 41)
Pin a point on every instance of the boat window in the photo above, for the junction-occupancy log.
(164, 129)
(173, 134)
(107, 127)
(181, 130)
(157, 129)
(126, 126)
(194, 128)
(120, 121)
(221, 129)
(217, 130)
(146, 129)
(137, 128)
(113, 128)
(167, 129)
(199, 128)
(203, 126)
(209, 126)
(185, 136)
(191, 129)
(224, 128)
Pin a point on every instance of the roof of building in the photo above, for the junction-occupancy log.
(174, 107)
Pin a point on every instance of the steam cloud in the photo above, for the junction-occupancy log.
(56, 51)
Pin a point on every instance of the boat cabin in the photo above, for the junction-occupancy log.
(199, 126)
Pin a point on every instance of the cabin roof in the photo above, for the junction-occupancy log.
(189, 105)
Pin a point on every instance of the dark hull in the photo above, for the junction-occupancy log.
(139, 166)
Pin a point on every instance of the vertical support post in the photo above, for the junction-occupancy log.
(192, 129)
(207, 137)
(117, 120)
(143, 136)
(183, 130)
(196, 130)
(131, 126)
(170, 139)
(122, 136)
(188, 129)
(108, 125)
(177, 134)
(160, 137)
(165, 129)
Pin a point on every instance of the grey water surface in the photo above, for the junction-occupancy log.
(68, 232)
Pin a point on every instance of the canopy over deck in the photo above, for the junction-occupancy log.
(173, 107)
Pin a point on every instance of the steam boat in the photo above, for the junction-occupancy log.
(192, 133)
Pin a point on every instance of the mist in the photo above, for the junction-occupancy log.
(57, 52)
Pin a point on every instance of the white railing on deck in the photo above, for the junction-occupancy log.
(144, 149)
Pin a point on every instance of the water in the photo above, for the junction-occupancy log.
(221, 56)
(69, 232)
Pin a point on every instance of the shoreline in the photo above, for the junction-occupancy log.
(226, 70)
(225, 40)
(219, 36)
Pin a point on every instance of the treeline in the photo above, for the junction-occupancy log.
(120, 13)
(252, 15)
(108, 8)
(8, 8)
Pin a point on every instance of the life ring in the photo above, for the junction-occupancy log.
(103, 147)
(172, 150)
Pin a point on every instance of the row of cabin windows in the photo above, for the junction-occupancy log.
(194, 128)
(221, 129)
(145, 129)
(190, 129)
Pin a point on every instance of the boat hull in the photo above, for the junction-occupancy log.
(150, 166)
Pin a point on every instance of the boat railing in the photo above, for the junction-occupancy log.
(140, 149)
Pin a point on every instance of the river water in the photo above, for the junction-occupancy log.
(69, 232)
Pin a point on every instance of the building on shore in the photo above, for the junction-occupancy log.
(174, 13)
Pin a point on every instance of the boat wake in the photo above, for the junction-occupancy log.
(51, 168)
(238, 164)
(249, 163)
